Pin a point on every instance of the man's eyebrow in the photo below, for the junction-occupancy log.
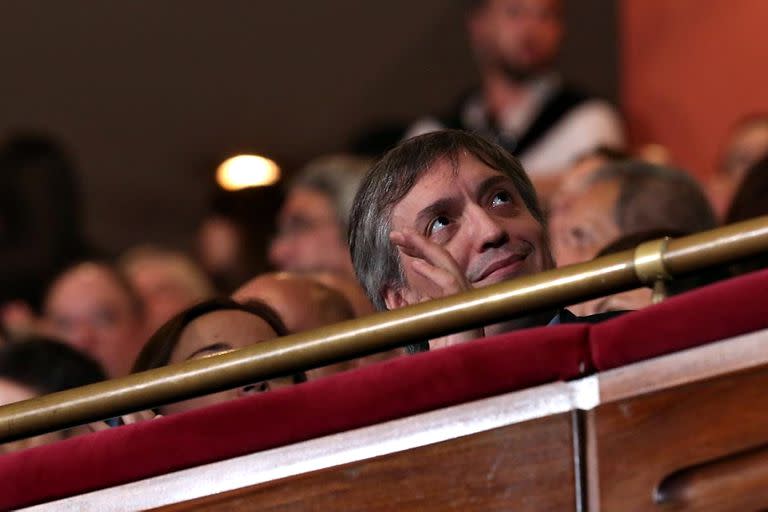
(216, 347)
(440, 206)
(494, 181)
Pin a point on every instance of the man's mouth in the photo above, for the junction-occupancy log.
(503, 268)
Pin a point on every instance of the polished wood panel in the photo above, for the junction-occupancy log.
(710, 483)
(526, 466)
(679, 368)
(702, 443)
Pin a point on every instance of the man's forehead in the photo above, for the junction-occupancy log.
(444, 177)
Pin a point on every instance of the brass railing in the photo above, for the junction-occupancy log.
(383, 331)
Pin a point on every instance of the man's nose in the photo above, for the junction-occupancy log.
(487, 231)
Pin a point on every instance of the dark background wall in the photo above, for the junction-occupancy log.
(149, 95)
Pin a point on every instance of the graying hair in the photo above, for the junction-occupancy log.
(655, 197)
(376, 260)
(337, 176)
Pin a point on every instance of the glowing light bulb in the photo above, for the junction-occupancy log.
(244, 171)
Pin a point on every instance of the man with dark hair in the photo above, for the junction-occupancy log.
(521, 102)
(624, 198)
(442, 213)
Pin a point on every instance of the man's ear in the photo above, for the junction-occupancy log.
(395, 298)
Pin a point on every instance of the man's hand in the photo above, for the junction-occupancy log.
(436, 265)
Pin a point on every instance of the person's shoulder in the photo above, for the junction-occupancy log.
(592, 121)
(584, 101)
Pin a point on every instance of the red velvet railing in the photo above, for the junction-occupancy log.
(382, 392)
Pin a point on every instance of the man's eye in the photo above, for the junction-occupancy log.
(501, 198)
(438, 225)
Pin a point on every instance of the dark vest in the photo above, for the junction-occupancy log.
(554, 109)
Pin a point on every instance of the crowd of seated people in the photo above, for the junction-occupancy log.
(447, 209)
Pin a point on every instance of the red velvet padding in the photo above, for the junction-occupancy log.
(722, 310)
(386, 391)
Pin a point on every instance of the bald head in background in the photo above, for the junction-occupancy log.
(306, 303)
(349, 287)
(302, 302)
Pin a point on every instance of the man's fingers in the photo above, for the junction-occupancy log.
(413, 244)
(402, 242)
(444, 279)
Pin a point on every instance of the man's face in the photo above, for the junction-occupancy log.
(520, 38)
(581, 229)
(309, 238)
(90, 311)
(477, 218)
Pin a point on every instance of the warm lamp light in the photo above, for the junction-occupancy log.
(244, 171)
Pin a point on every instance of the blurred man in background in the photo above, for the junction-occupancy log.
(312, 224)
(624, 198)
(522, 103)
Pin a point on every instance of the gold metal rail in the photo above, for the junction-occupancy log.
(382, 331)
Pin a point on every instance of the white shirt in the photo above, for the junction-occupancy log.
(591, 124)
